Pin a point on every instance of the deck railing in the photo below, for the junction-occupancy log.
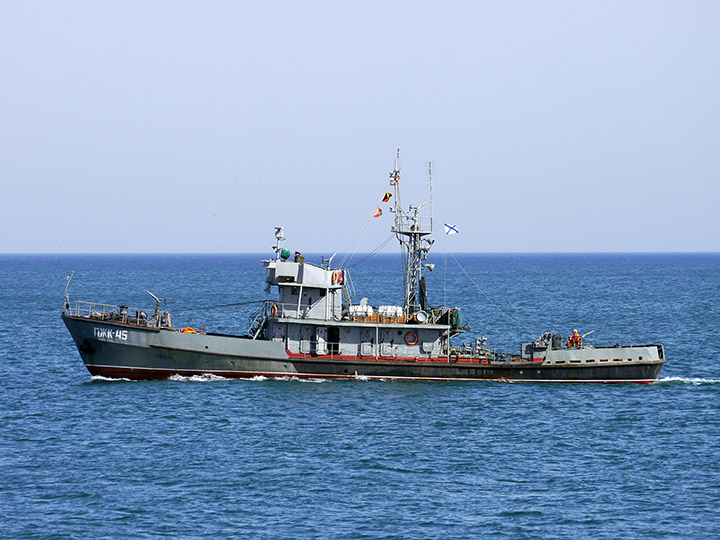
(120, 314)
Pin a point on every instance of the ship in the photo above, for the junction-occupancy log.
(314, 329)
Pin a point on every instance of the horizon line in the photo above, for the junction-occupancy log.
(308, 253)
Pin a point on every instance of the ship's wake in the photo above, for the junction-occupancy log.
(695, 381)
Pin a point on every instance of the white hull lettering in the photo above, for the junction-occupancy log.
(110, 334)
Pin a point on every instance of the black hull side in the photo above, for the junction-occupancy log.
(644, 374)
(146, 355)
(506, 371)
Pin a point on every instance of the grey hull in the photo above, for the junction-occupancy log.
(124, 351)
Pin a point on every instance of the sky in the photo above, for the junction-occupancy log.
(196, 127)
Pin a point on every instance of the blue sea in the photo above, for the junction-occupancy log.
(205, 457)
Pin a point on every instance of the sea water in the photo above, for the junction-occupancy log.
(205, 457)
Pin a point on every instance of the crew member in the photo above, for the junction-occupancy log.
(574, 340)
(299, 258)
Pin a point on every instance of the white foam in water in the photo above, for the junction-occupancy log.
(205, 377)
(688, 380)
(288, 378)
(100, 378)
(298, 379)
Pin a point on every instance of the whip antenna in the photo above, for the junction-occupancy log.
(67, 291)
(430, 166)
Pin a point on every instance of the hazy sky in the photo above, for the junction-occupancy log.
(197, 126)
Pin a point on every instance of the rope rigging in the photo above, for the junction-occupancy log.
(488, 298)
(216, 306)
(373, 252)
(360, 235)
(365, 258)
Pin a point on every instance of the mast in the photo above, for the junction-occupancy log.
(410, 229)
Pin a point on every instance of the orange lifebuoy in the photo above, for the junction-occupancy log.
(340, 276)
(334, 277)
(411, 338)
(273, 310)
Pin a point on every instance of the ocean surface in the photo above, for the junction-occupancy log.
(205, 457)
